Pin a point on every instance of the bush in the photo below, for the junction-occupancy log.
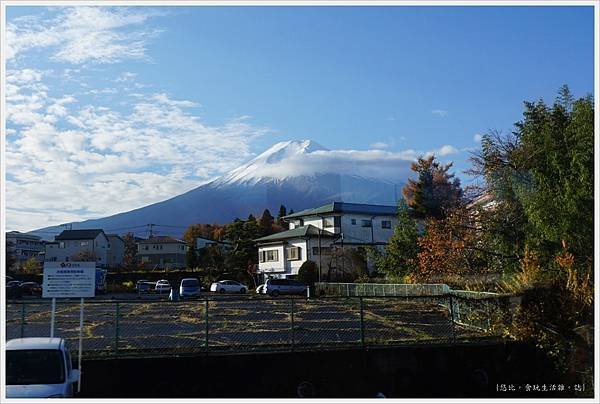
(307, 273)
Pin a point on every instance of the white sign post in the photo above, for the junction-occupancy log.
(69, 280)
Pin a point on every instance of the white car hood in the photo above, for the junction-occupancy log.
(33, 390)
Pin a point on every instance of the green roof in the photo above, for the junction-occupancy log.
(304, 231)
(345, 207)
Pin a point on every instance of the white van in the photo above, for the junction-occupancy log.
(39, 368)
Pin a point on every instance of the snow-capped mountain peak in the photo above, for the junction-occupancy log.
(269, 164)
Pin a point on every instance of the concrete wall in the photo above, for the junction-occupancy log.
(442, 371)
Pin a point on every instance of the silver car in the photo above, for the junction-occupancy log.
(276, 287)
(189, 287)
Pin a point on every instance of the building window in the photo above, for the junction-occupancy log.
(293, 253)
(61, 244)
(84, 243)
(366, 223)
(353, 221)
(269, 256)
(386, 224)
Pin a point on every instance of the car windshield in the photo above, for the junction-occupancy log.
(190, 282)
(36, 366)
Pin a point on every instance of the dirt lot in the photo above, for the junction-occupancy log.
(238, 323)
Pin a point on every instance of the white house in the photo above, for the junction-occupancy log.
(315, 234)
(23, 246)
(71, 243)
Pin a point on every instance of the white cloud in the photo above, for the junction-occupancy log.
(447, 150)
(81, 161)
(379, 145)
(82, 34)
(439, 112)
(477, 137)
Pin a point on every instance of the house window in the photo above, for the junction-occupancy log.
(353, 221)
(146, 247)
(293, 253)
(269, 256)
(84, 243)
(386, 224)
(366, 223)
(61, 244)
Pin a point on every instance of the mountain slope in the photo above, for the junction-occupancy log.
(267, 181)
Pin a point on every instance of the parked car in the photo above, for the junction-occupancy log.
(31, 288)
(144, 286)
(13, 290)
(227, 286)
(39, 368)
(189, 287)
(162, 286)
(275, 287)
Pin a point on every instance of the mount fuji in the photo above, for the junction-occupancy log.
(298, 174)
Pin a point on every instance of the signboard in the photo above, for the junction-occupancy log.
(69, 279)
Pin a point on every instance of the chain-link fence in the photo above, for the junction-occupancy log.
(380, 289)
(114, 328)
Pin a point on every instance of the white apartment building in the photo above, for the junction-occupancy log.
(314, 234)
(23, 246)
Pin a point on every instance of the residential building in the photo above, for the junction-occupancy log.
(162, 252)
(322, 235)
(116, 250)
(72, 245)
(23, 246)
(202, 242)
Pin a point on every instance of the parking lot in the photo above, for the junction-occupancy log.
(238, 323)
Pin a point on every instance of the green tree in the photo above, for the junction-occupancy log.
(282, 212)
(31, 266)
(556, 150)
(266, 223)
(84, 255)
(129, 257)
(191, 258)
(434, 192)
(400, 255)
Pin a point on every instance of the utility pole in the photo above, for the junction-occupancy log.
(151, 225)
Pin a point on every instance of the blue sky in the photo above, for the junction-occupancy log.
(113, 108)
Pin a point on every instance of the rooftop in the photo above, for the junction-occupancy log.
(33, 343)
(83, 234)
(161, 240)
(344, 207)
(303, 231)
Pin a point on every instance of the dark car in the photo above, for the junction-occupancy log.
(275, 287)
(144, 286)
(13, 290)
(31, 288)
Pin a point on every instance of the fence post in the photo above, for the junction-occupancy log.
(23, 320)
(117, 328)
(206, 324)
(362, 323)
(292, 322)
(452, 319)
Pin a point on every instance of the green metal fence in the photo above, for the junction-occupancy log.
(217, 325)
(380, 289)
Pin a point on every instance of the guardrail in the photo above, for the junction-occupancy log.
(211, 325)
